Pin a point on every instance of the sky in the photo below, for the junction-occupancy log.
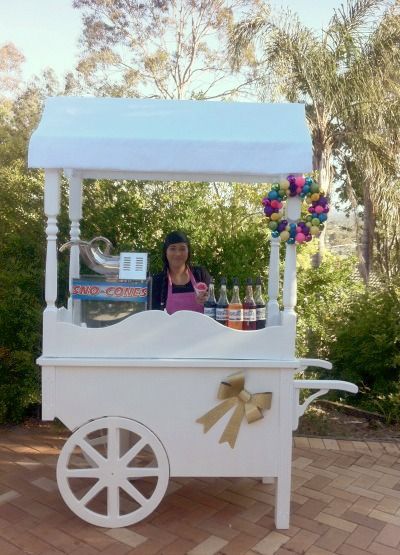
(47, 31)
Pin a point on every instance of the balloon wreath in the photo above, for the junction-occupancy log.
(311, 222)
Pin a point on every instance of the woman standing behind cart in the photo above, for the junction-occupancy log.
(173, 289)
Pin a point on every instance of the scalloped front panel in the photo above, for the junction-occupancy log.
(156, 334)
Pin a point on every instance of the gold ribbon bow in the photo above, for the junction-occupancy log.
(247, 404)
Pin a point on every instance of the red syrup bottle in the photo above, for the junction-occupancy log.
(249, 308)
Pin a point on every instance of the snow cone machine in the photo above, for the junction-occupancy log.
(157, 396)
(123, 289)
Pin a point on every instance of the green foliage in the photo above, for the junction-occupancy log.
(21, 279)
(224, 221)
(367, 347)
(389, 404)
(356, 328)
(325, 296)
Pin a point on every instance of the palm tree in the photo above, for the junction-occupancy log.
(342, 76)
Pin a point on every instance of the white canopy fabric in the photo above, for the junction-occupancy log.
(172, 139)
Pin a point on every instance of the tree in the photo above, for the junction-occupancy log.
(11, 60)
(21, 283)
(324, 72)
(370, 148)
(161, 48)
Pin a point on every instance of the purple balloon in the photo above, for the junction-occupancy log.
(326, 209)
(268, 210)
(291, 178)
(310, 210)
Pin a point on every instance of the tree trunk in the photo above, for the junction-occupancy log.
(322, 163)
(367, 241)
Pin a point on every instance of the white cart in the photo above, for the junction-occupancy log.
(132, 393)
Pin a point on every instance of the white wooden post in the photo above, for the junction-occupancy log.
(51, 209)
(284, 477)
(293, 209)
(75, 215)
(273, 315)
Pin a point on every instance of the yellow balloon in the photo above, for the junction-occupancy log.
(314, 230)
(285, 235)
(284, 185)
(314, 196)
(275, 216)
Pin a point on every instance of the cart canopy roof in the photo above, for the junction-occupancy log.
(172, 139)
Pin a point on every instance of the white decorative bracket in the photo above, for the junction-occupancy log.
(323, 387)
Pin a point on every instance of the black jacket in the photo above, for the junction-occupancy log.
(159, 288)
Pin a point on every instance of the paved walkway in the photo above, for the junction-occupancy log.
(346, 501)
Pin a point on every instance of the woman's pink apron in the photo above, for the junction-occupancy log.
(182, 301)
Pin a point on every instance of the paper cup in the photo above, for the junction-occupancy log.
(200, 288)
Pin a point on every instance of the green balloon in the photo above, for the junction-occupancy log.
(276, 186)
(315, 221)
(314, 187)
(274, 225)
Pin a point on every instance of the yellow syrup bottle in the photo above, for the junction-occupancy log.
(235, 308)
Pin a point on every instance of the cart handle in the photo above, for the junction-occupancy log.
(323, 386)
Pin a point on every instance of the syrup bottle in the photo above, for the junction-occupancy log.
(249, 308)
(222, 305)
(260, 306)
(210, 305)
(235, 308)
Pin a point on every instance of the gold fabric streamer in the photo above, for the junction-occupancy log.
(247, 404)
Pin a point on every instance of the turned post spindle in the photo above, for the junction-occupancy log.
(293, 209)
(51, 209)
(75, 215)
(273, 314)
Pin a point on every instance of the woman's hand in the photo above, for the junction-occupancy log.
(201, 296)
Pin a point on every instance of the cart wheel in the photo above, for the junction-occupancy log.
(112, 472)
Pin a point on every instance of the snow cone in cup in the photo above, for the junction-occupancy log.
(200, 288)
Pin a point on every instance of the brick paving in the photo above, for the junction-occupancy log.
(345, 501)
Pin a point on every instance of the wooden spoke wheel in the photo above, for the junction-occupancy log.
(112, 472)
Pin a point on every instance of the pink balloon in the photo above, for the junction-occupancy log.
(299, 229)
(300, 180)
(298, 190)
(275, 203)
(319, 209)
(300, 237)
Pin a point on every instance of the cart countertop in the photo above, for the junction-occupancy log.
(296, 363)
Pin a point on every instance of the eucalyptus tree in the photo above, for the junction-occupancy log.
(337, 76)
(161, 48)
(370, 146)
